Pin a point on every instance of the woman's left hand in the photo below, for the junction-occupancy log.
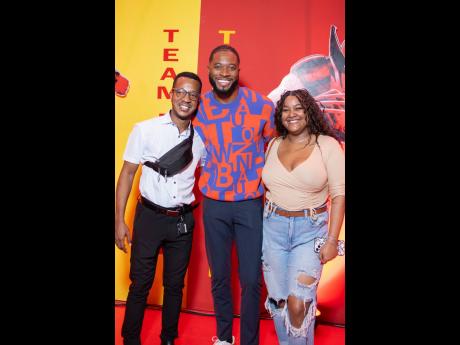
(328, 252)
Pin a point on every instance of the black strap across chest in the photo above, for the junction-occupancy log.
(176, 159)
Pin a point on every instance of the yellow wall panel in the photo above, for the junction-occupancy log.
(140, 43)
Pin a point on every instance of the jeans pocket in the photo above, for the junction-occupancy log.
(319, 220)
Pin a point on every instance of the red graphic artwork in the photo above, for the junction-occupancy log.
(121, 84)
(324, 77)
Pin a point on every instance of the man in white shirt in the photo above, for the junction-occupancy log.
(163, 216)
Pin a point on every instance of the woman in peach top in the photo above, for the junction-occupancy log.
(304, 169)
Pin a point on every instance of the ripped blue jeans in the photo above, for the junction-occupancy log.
(287, 254)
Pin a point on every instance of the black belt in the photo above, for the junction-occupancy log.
(169, 211)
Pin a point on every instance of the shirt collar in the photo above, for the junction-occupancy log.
(166, 119)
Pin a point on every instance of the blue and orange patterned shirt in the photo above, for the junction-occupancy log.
(234, 135)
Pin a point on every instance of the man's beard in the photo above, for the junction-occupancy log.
(223, 93)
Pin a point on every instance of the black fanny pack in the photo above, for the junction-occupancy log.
(176, 159)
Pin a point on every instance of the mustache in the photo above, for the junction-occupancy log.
(223, 93)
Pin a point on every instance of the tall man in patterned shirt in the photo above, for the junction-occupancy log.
(234, 123)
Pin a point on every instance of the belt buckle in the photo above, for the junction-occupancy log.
(172, 213)
(313, 214)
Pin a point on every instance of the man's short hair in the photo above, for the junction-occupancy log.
(190, 75)
(222, 48)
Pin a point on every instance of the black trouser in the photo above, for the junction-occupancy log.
(151, 231)
(240, 221)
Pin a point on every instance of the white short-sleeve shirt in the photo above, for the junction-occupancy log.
(148, 141)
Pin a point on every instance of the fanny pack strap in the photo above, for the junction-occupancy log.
(155, 166)
(175, 151)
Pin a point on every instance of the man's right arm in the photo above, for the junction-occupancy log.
(124, 185)
(269, 130)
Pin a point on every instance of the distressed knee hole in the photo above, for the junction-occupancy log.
(298, 307)
(275, 307)
(301, 314)
(277, 304)
(305, 280)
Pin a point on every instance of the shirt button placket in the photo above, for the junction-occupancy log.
(175, 189)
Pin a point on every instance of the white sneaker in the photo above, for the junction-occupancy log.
(216, 341)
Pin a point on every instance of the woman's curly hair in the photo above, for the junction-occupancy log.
(316, 123)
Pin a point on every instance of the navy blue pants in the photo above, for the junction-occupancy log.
(151, 231)
(225, 222)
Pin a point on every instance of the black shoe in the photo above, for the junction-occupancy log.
(167, 342)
